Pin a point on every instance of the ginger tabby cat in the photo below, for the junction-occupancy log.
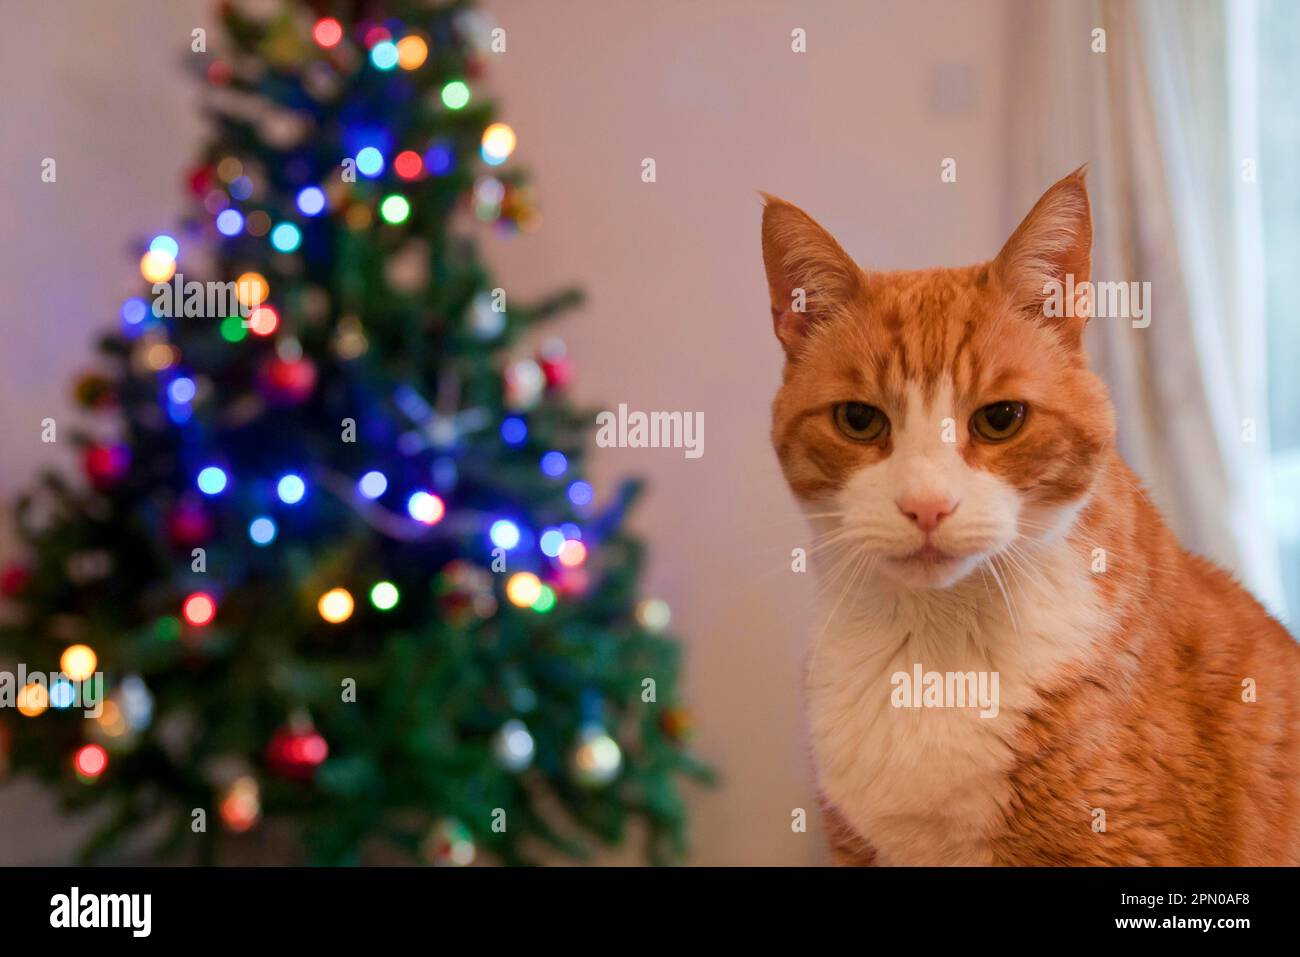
(956, 457)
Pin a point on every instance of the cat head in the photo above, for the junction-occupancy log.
(937, 419)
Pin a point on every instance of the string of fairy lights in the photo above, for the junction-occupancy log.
(227, 189)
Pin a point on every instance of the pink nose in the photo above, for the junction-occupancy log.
(926, 511)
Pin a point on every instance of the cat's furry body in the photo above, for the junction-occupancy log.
(1148, 706)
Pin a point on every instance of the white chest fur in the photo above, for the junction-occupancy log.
(927, 785)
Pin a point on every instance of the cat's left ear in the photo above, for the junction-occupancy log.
(1046, 265)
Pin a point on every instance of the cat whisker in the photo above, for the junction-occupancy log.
(1023, 562)
(1006, 597)
(838, 573)
(864, 562)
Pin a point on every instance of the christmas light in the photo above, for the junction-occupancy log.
(373, 484)
(545, 600)
(514, 745)
(523, 589)
(335, 605)
(286, 237)
(426, 508)
(263, 320)
(78, 662)
(370, 162)
(33, 699)
(524, 384)
(455, 95)
(181, 390)
(498, 143)
(504, 534)
(90, 761)
(554, 464)
(327, 32)
(252, 289)
(597, 759)
(199, 609)
(229, 169)
(384, 55)
(233, 329)
(160, 356)
(394, 209)
(384, 596)
(513, 430)
(407, 164)
(439, 159)
(412, 51)
(62, 694)
(311, 200)
(653, 614)
(241, 188)
(573, 554)
(262, 530)
(377, 35)
(291, 488)
(551, 541)
(230, 222)
(134, 311)
(164, 245)
(211, 480)
(157, 267)
(580, 493)
(242, 806)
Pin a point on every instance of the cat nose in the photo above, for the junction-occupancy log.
(927, 511)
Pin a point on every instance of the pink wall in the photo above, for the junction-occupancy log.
(853, 130)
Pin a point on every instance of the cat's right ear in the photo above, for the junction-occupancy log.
(808, 275)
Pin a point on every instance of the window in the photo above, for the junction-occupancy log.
(1279, 179)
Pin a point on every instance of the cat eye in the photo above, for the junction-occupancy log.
(861, 422)
(999, 421)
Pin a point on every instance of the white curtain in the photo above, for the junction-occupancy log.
(1166, 118)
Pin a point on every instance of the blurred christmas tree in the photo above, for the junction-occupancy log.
(338, 564)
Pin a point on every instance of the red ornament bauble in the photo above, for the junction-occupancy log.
(288, 382)
(14, 579)
(188, 525)
(106, 465)
(220, 73)
(296, 754)
(559, 372)
(201, 181)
